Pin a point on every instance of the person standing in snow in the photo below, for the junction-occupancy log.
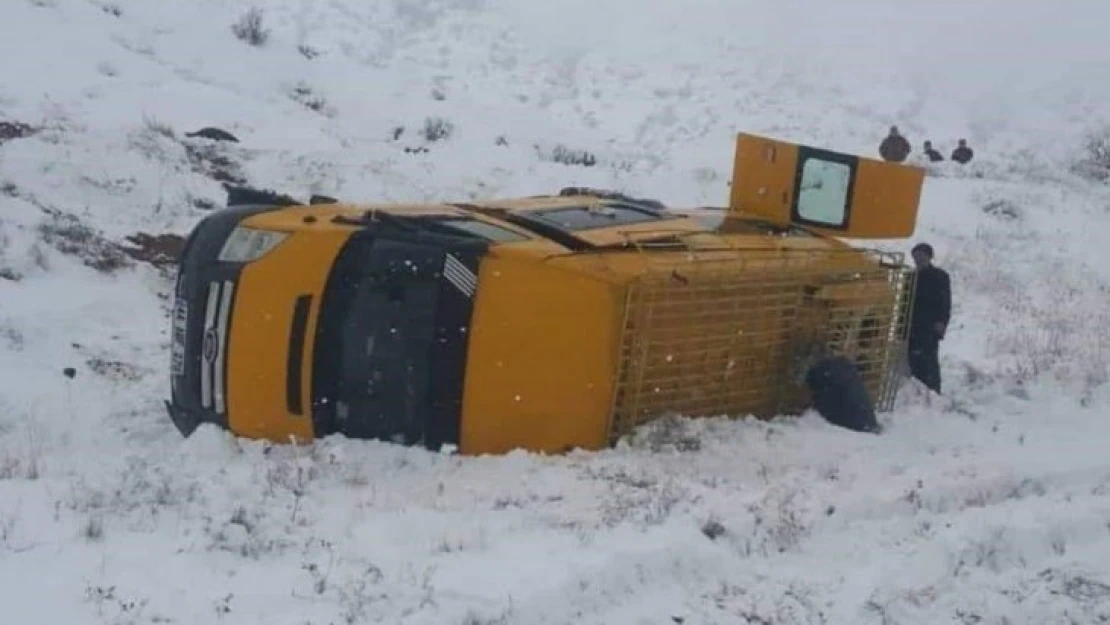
(932, 308)
(932, 154)
(894, 148)
(962, 154)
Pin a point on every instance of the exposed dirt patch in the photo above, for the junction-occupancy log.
(212, 161)
(15, 130)
(161, 250)
(114, 369)
(69, 235)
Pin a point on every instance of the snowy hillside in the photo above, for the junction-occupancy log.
(990, 505)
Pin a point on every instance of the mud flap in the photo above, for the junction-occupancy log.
(840, 396)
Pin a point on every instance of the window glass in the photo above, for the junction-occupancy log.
(823, 193)
(484, 230)
(603, 216)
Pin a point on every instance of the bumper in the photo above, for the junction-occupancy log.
(184, 420)
(204, 297)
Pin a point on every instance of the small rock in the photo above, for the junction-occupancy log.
(216, 134)
(69, 372)
(713, 530)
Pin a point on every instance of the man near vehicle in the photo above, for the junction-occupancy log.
(932, 307)
(894, 148)
(962, 154)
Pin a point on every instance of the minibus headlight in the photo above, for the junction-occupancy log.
(247, 244)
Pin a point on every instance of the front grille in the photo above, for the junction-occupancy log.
(213, 355)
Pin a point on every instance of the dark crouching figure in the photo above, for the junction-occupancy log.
(932, 154)
(839, 394)
(894, 148)
(962, 154)
(932, 307)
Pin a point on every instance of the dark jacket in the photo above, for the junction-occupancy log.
(894, 148)
(932, 302)
(962, 155)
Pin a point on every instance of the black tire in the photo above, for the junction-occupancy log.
(840, 396)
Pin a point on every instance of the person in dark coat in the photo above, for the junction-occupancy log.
(932, 154)
(932, 308)
(962, 154)
(894, 148)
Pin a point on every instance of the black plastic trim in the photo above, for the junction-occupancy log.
(294, 393)
(197, 267)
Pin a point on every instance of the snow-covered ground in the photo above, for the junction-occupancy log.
(990, 505)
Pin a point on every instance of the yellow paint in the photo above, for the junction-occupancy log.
(540, 361)
(763, 178)
(259, 337)
(546, 332)
(884, 200)
(548, 323)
